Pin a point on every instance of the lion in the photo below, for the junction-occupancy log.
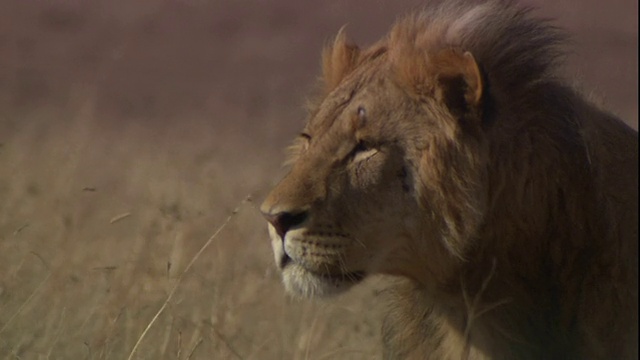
(451, 155)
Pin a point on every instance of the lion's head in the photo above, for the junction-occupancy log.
(388, 176)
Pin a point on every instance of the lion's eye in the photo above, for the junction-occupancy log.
(299, 146)
(360, 147)
(363, 150)
(306, 139)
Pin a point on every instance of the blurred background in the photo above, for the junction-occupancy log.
(131, 131)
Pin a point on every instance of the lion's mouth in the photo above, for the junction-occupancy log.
(284, 260)
(352, 277)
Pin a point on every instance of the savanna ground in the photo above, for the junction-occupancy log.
(130, 131)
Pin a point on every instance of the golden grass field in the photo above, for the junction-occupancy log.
(131, 132)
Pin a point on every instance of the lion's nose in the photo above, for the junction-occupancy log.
(284, 221)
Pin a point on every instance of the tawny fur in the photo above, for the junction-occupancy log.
(450, 154)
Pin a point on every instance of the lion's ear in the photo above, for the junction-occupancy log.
(450, 76)
(338, 60)
(458, 83)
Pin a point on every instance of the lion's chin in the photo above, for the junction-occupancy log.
(299, 281)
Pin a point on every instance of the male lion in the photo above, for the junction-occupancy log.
(448, 154)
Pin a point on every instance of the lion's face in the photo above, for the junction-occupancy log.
(346, 204)
(355, 202)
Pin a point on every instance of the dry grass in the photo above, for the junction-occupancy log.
(125, 151)
(82, 280)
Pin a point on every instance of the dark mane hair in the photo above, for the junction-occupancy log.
(512, 46)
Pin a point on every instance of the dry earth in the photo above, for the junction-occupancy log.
(131, 130)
